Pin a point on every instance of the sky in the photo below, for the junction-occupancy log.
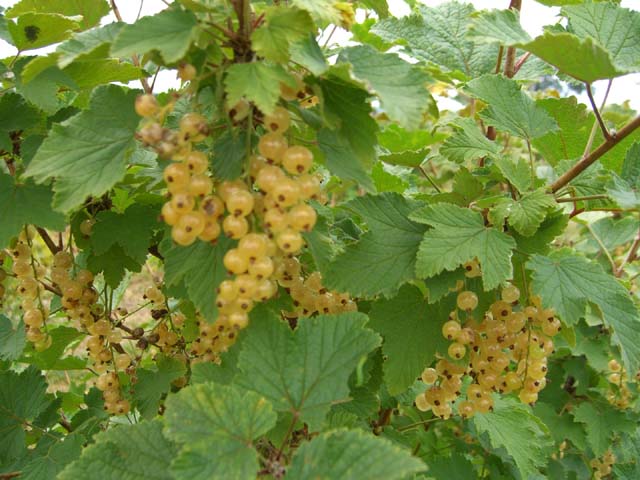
(533, 17)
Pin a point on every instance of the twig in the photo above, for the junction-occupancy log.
(417, 424)
(581, 199)
(428, 177)
(603, 127)
(499, 61)
(510, 60)
(134, 58)
(631, 256)
(520, 62)
(287, 435)
(594, 128)
(326, 43)
(602, 247)
(51, 245)
(9, 475)
(586, 162)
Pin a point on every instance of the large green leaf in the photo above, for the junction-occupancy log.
(468, 143)
(125, 452)
(617, 29)
(526, 213)
(347, 110)
(602, 421)
(384, 257)
(22, 399)
(199, 267)
(513, 427)
(170, 32)
(131, 230)
(113, 264)
(26, 203)
(509, 108)
(56, 457)
(16, 113)
(439, 35)
(87, 153)
(257, 82)
(341, 160)
(352, 455)
(85, 43)
(407, 324)
(36, 30)
(217, 425)
(458, 236)
(320, 10)
(567, 282)
(152, 384)
(282, 27)
(12, 340)
(304, 371)
(400, 86)
(90, 10)
(502, 26)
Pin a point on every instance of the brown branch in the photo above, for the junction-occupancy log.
(631, 256)
(51, 245)
(510, 60)
(7, 476)
(586, 162)
(603, 127)
(64, 423)
(134, 58)
(520, 62)
(51, 288)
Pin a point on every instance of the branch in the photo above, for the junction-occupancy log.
(631, 256)
(520, 62)
(7, 476)
(134, 58)
(51, 245)
(586, 162)
(510, 60)
(603, 127)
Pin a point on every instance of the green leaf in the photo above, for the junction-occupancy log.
(352, 455)
(616, 29)
(125, 452)
(602, 421)
(567, 282)
(517, 172)
(341, 160)
(509, 108)
(217, 425)
(584, 59)
(458, 236)
(502, 26)
(513, 427)
(12, 341)
(36, 30)
(23, 204)
(400, 86)
(306, 370)
(346, 109)
(406, 323)
(22, 399)
(83, 44)
(439, 35)
(131, 230)
(49, 359)
(152, 384)
(383, 258)
(170, 32)
(91, 73)
(199, 266)
(229, 154)
(308, 53)
(282, 27)
(453, 466)
(257, 82)
(57, 456)
(575, 123)
(16, 113)
(385, 181)
(320, 10)
(90, 10)
(113, 264)
(468, 143)
(631, 167)
(525, 214)
(87, 153)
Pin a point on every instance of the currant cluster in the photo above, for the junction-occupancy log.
(603, 466)
(309, 294)
(28, 270)
(504, 352)
(619, 393)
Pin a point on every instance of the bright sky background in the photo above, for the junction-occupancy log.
(534, 16)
